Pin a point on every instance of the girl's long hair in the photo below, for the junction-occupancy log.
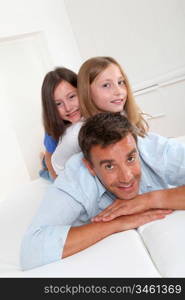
(89, 70)
(53, 124)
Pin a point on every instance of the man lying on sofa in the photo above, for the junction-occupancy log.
(111, 187)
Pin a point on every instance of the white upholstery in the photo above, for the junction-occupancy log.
(16, 213)
(120, 255)
(165, 242)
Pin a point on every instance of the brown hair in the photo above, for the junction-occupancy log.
(104, 129)
(53, 124)
(89, 70)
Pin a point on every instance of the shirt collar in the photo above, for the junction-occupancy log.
(145, 186)
(100, 186)
(102, 190)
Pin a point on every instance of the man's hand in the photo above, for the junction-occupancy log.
(139, 204)
(136, 220)
(165, 200)
(123, 207)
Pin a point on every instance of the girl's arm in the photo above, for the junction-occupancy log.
(49, 164)
(67, 146)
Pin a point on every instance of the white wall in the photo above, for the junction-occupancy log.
(166, 106)
(23, 64)
(148, 38)
(48, 16)
(35, 36)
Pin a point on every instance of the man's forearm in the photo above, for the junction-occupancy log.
(82, 237)
(173, 198)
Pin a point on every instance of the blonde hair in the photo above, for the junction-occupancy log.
(89, 70)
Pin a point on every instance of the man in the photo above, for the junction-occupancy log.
(104, 191)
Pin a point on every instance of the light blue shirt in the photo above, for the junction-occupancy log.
(76, 196)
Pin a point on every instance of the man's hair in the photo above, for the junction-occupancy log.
(104, 129)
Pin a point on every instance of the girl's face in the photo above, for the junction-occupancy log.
(108, 90)
(66, 100)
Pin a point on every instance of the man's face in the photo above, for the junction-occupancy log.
(118, 167)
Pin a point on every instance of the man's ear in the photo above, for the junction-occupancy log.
(89, 166)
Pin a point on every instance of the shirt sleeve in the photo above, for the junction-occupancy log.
(165, 157)
(174, 160)
(50, 143)
(45, 238)
(67, 146)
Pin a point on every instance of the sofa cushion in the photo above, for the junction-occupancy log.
(16, 212)
(165, 242)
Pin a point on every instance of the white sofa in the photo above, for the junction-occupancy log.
(115, 256)
(154, 250)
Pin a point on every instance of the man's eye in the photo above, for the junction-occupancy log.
(109, 167)
(131, 159)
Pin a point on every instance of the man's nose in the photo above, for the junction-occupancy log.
(125, 174)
